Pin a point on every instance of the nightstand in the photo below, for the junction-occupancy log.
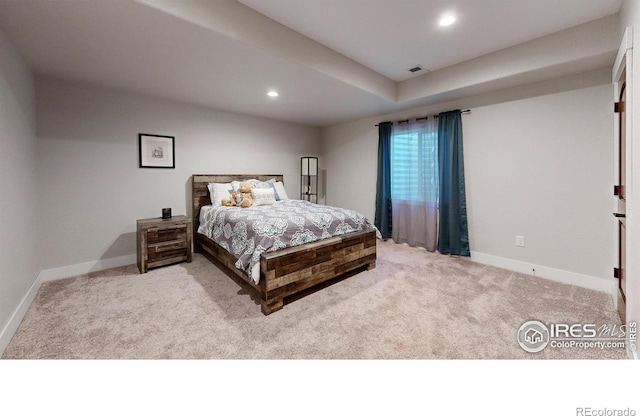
(163, 241)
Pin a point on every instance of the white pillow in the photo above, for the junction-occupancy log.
(259, 184)
(263, 196)
(282, 194)
(218, 191)
(254, 182)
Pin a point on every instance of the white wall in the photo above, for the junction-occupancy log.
(542, 168)
(19, 256)
(536, 165)
(92, 190)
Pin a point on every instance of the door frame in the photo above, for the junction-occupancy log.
(624, 61)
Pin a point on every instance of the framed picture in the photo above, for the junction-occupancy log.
(157, 151)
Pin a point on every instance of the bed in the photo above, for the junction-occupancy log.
(292, 270)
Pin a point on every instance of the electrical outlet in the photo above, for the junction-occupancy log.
(520, 240)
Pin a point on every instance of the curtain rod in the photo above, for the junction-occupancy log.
(467, 111)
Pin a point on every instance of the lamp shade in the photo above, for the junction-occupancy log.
(309, 166)
(309, 178)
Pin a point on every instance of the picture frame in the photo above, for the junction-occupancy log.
(156, 151)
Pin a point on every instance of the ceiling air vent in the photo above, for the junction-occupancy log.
(416, 68)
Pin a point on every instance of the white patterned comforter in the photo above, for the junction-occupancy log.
(248, 232)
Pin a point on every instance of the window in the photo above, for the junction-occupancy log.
(414, 163)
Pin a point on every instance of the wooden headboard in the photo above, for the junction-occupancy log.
(200, 193)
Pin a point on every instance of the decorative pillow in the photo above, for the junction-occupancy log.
(279, 188)
(275, 193)
(218, 191)
(263, 196)
(256, 184)
(259, 184)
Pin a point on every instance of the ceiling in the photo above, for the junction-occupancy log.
(330, 60)
(391, 36)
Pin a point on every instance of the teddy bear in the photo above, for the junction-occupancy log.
(245, 199)
(232, 201)
(241, 198)
(228, 202)
(245, 187)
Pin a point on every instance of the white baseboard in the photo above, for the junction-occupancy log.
(550, 273)
(55, 274)
(12, 326)
(88, 267)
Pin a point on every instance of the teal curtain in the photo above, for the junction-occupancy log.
(383, 187)
(453, 234)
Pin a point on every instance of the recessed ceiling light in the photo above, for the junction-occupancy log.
(272, 93)
(447, 20)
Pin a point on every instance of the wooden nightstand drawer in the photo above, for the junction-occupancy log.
(167, 249)
(159, 235)
(163, 241)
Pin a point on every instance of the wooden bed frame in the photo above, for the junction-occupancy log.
(288, 271)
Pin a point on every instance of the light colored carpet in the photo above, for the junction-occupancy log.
(414, 305)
